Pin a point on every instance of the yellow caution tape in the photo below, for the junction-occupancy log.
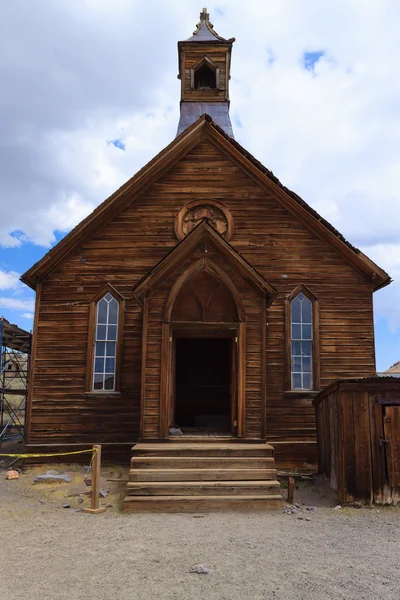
(92, 450)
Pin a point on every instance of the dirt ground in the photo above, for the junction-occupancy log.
(51, 552)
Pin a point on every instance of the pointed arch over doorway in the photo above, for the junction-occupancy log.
(204, 330)
(208, 301)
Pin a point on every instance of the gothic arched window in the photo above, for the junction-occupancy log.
(104, 350)
(302, 341)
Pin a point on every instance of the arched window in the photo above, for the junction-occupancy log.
(302, 341)
(105, 352)
(104, 342)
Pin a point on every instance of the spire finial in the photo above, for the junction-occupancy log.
(204, 18)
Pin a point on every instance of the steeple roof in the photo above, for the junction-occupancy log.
(205, 30)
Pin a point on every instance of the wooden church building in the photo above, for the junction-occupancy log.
(196, 313)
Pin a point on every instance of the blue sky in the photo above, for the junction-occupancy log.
(88, 98)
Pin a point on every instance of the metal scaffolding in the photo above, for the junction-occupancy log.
(15, 344)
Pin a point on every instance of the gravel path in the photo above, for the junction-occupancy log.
(48, 552)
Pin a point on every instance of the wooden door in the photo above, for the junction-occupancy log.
(391, 441)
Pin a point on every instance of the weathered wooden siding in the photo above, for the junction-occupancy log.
(358, 425)
(274, 242)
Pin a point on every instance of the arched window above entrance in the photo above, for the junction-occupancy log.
(205, 298)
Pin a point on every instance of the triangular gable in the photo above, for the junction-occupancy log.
(183, 250)
(204, 127)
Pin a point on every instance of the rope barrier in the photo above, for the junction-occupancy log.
(92, 451)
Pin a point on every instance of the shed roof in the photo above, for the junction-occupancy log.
(13, 337)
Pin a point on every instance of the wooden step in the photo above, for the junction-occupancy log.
(193, 449)
(201, 474)
(181, 504)
(196, 488)
(206, 462)
(189, 476)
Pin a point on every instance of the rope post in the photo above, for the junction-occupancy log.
(95, 507)
(290, 491)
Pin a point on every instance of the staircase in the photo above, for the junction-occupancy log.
(202, 476)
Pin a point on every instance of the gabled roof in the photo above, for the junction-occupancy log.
(394, 369)
(205, 128)
(182, 251)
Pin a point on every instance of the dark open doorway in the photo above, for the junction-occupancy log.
(203, 384)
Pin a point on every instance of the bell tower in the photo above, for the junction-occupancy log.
(204, 71)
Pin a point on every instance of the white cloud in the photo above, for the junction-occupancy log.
(17, 304)
(387, 301)
(9, 280)
(27, 316)
(80, 73)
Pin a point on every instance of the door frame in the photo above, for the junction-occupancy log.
(210, 331)
(170, 331)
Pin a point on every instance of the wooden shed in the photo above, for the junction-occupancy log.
(358, 431)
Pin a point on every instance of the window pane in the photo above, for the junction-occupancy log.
(105, 343)
(296, 381)
(306, 348)
(110, 365)
(296, 310)
(307, 381)
(102, 311)
(296, 364)
(307, 308)
(99, 365)
(109, 382)
(98, 382)
(100, 348)
(306, 362)
(296, 332)
(111, 348)
(112, 332)
(296, 348)
(113, 312)
(101, 332)
(301, 340)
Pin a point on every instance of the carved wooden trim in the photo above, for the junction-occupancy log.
(264, 342)
(211, 211)
(241, 380)
(165, 381)
(144, 365)
(203, 264)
